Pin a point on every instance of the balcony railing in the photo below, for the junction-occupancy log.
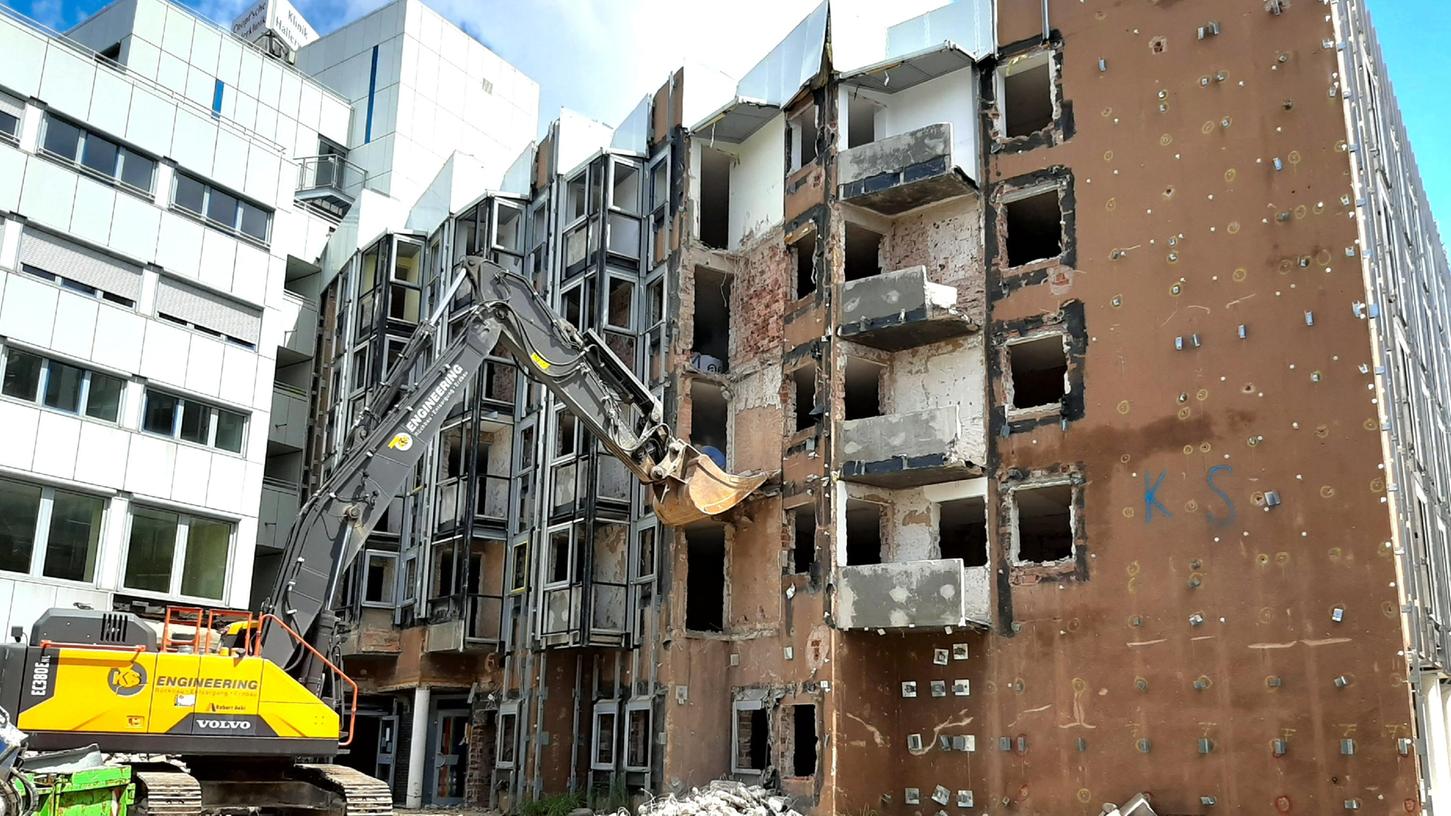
(331, 182)
(910, 449)
(902, 309)
(933, 593)
(903, 172)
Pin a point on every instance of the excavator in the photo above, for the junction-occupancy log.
(223, 711)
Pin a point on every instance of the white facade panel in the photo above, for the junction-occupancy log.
(194, 142)
(164, 352)
(171, 72)
(176, 37)
(12, 172)
(143, 58)
(150, 122)
(229, 166)
(75, 318)
(225, 486)
(91, 214)
(24, 58)
(27, 313)
(103, 454)
(200, 86)
(206, 44)
(57, 440)
(110, 102)
(238, 376)
(150, 465)
(48, 193)
(219, 259)
(204, 366)
(66, 83)
(20, 423)
(134, 225)
(179, 248)
(189, 479)
(119, 337)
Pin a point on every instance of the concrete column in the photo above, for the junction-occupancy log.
(418, 747)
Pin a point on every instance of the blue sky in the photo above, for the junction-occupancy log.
(605, 55)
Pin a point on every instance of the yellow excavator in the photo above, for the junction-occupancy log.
(248, 709)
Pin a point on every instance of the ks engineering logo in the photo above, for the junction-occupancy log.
(127, 681)
(401, 442)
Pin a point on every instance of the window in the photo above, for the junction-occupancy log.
(709, 418)
(803, 551)
(220, 208)
(861, 118)
(49, 532)
(712, 318)
(804, 250)
(803, 740)
(607, 714)
(863, 532)
(1043, 516)
(750, 736)
(190, 421)
(508, 734)
(801, 139)
(177, 554)
(1027, 95)
(1039, 368)
(62, 386)
(61, 139)
(862, 252)
(1035, 226)
(86, 271)
(637, 735)
(715, 197)
(962, 530)
(705, 578)
(804, 380)
(379, 578)
(11, 109)
(863, 387)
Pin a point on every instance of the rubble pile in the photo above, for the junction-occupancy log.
(721, 798)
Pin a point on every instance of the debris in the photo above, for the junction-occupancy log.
(721, 798)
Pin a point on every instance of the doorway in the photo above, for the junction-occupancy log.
(450, 749)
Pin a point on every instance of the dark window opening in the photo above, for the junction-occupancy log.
(962, 530)
(862, 248)
(803, 550)
(801, 135)
(804, 379)
(712, 321)
(708, 420)
(1035, 227)
(863, 532)
(803, 746)
(1045, 523)
(1038, 369)
(705, 579)
(558, 556)
(752, 733)
(715, 197)
(1028, 98)
(863, 388)
(804, 251)
(861, 121)
(111, 52)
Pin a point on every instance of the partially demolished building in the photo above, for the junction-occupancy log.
(1100, 351)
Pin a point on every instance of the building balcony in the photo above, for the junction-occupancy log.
(289, 418)
(299, 339)
(910, 449)
(331, 183)
(902, 172)
(899, 310)
(914, 594)
(276, 512)
(371, 633)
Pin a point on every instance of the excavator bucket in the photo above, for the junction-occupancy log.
(701, 489)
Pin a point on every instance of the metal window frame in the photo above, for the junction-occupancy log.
(235, 228)
(632, 707)
(509, 708)
(178, 553)
(602, 709)
(40, 536)
(392, 590)
(39, 398)
(547, 563)
(213, 413)
(122, 151)
(746, 700)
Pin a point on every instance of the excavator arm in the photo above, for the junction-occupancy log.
(402, 418)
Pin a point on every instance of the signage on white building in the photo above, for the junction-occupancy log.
(277, 17)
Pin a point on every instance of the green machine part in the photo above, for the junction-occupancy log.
(103, 791)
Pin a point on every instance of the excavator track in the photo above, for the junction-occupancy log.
(167, 793)
(364, 795)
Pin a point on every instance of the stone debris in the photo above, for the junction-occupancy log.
(721, 798)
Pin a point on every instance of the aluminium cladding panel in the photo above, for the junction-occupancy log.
(932, 593)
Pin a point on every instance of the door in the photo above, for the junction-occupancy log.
(387, 745)
(450, 755)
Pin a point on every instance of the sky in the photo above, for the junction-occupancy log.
(603, 56)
